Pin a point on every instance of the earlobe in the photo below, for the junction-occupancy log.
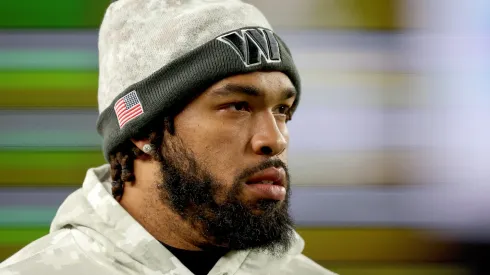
(144, 145)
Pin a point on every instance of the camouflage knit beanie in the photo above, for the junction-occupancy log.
(155, 56)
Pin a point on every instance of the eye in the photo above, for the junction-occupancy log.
(283, 109)
(238, 106)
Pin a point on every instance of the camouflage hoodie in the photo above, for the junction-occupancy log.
(92, 234)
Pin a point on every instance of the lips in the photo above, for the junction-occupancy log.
(271, 176)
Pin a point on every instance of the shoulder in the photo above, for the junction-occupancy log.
(301, 264)
(55, 253)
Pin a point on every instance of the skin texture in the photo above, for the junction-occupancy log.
(197, 197)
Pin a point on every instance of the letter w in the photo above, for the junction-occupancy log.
(252, 44)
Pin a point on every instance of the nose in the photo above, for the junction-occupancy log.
(269, 139)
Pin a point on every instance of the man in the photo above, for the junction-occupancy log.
(194, 100)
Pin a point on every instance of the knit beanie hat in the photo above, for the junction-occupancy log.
(155, 56)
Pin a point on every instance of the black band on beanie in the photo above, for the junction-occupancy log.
(171, 88)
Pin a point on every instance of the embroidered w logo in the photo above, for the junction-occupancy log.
(252, 44)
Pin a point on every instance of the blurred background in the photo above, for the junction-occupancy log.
(390, 147)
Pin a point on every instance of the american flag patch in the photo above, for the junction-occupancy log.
(128, 108)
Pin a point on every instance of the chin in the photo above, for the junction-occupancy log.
(262, 206)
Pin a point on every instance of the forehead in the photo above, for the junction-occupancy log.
(271, 84)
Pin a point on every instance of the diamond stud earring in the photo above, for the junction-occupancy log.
(147, 148)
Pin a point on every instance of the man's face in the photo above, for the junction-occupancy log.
(225, 169)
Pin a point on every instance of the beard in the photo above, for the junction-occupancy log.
(192, 192)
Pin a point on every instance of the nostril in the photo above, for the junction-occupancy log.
(266, 150)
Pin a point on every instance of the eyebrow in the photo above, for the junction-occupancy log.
(231, 89)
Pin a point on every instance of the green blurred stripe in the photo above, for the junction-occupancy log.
(47, 80)
(21, 236)
(324, 244)
(43, 177)
(48, 99)
(62, 167)
(26, 216)
(48, 60)
(52, 159)
(52, 14)
(48, 89)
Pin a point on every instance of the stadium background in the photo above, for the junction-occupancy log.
(353, 148)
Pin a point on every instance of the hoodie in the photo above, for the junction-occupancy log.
(92, 234)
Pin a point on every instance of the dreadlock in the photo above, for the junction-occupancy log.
(122, 160)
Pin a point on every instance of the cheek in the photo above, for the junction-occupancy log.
(225, 151)
(284, 156)
(283, 127)
(219, 139)
(219, 148)
(285, 132)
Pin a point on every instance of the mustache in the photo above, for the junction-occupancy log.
(277, 163)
